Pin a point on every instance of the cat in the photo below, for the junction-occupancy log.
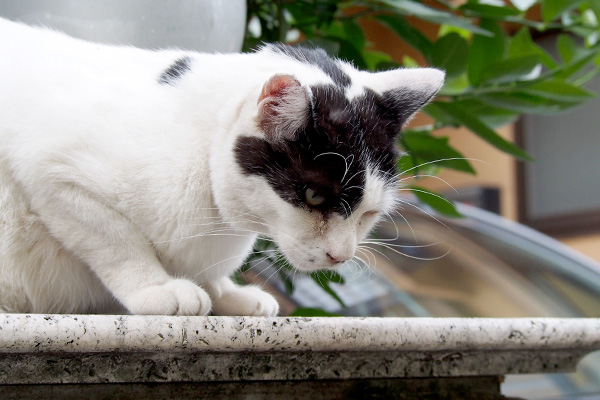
(136, 181)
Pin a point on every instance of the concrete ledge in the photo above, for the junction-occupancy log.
(120, 349)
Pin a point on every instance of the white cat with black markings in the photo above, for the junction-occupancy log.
(137, 181)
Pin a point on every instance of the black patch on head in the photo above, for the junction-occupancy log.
(330, 156)
(175, 71)
(317, 57)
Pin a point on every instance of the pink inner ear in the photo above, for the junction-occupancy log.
(277, 86)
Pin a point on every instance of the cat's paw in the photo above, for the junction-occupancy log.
(246, 300)
(175, 297)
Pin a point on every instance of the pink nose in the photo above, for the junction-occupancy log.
(337, 259)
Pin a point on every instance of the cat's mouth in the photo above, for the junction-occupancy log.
(311, 261)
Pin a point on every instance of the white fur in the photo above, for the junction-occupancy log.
(118, 194)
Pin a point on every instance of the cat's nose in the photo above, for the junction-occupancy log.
(337, 258)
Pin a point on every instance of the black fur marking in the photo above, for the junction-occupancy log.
(317, 57)
(331, 155)
(175, 71)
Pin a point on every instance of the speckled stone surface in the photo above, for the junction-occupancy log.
(92, 348)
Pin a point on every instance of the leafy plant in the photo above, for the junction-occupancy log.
(495, 71)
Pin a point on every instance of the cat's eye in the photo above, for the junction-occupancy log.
(313, 198)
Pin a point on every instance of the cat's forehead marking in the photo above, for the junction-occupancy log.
(317, 58)
(357, 88)
(175, 71)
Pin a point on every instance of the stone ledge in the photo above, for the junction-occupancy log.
(102, 348)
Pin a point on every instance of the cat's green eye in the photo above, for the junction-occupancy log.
(312, 198)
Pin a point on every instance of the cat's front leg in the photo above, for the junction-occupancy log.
(231, 299)
(118, 254)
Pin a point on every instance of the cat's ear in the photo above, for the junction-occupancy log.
(408, 89)
(283, 108)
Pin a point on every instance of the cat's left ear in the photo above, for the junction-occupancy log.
(408, 89)
(283, 108)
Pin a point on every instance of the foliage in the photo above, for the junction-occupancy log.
(495, 71)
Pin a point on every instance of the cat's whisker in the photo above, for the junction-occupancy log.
(336, 154)
(414, 234)
(380, 253)
(412, 256)
(428, 176)
(404, 246)
(355, 269)
(437, 161)
(278, 268)
(393, 221)
(359, 250)
(257, 263)
(369, 254)
(368, 266)
(424, 211)
(242, 256)
(199, 235)
(429, 193)
(346, 207)
(362, 171)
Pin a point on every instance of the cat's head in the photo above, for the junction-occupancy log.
(321, 163)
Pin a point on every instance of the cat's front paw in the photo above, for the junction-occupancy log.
(246, 300)
(175, 297)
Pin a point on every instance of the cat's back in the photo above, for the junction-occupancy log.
(42, 56)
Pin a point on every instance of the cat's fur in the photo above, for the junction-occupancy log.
(136, 181)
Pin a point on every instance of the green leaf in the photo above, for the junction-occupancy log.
(346, 50)
(436, 150)
(511, 70)
(436, 201)
(595, 6)
(526, 103)
(449, 53)
(456, 85)
(523, 5)
(560, 91)
(406, 32)
(377, 60)
(354, 33)
(582, 59)
(331, 46)
(522, 44)
(322, 278)
(419, 10)
(329, 276)
(447, 29)
(553, 8)
(409, 62)
(312, 312)
(406, 163)
(493, 117)
(488, 11)
(485, 50)
(440, 115)
(474, 124)
(566, 48)
(287, 283)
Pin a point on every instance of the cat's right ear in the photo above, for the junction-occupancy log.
(283, 108)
